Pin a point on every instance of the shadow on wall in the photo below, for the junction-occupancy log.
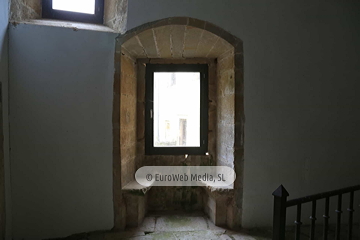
(3, 84)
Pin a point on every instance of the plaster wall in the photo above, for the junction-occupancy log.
(4, 78)
(301, 71)
(301, 108)
(61, 96)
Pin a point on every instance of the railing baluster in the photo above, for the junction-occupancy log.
(313, 219)
(326, 219)
(338, 220)
(279, 220)
(281, 204)
(298, 222)
(351, 211)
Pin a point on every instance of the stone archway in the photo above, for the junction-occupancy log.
(180, 40)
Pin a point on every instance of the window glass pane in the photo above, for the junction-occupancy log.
(82, 6)
(176, 109)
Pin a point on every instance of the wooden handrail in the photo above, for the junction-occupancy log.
(294, 202)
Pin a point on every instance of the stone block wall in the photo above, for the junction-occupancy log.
(184, 199)
(115, 14)
(176, 198)
(220, 208)
(21, 10)
(225, 109)
(128, 99)
(217, 206)
(136, 208)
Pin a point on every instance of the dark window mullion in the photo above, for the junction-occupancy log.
(204, 109)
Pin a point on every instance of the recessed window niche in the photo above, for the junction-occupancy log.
(178, 40)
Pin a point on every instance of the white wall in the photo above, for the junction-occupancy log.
(4, 77)
(301, 91)
(61, 93)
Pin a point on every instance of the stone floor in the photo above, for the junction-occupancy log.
(180, 226)
(305, 232)
(175, 226)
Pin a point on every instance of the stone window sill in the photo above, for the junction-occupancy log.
(135, 188)
(66, 24)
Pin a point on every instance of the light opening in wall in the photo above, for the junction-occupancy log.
(81, 6)
(88, 11)
(176, 109)
(177, 99)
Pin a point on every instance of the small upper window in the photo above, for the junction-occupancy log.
(81, 6)
(176, 118)
(89, 11)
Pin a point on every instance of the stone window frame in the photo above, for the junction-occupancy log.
(97, 18)
(203, 148)
(30, 12)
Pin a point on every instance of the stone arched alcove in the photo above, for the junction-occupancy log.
(179, 40)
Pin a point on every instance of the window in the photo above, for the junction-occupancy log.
(89, 11)
(176, 109)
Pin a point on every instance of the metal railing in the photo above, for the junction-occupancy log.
(281, 204)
